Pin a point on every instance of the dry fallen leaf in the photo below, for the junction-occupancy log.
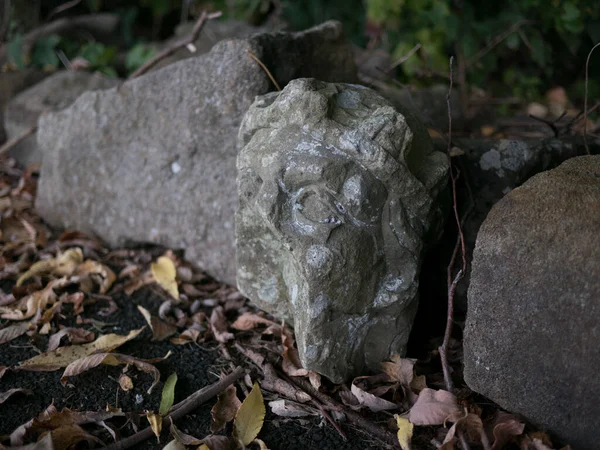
(34, 303)
(286, 408)
(63, 265)
(125, 382)
(63, 356)
(68, 436)
(216, 442)
(405, 431)
(375, 404)
(225, 409)
(164, 273)
(12, 332)
(250, 417)
(291, 360)
(112, 359)
(249, 321)
(6, 395)
(155, 423)
(470, 424)
(218, 325)
(174, 445)
(432, 407)
(96, 272)
(507, 427)
(400, 370)
(183, 438)
(75, 335)
(160, 330)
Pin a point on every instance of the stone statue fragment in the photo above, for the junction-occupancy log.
(337, 193)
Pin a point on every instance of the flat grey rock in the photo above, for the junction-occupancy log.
(54, 93)
(337, 192)
(533, 322)
(155, 161)
(11, 83)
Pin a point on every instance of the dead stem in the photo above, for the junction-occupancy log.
(204, 17)
(181, 409)
(585, 100)
(261, 64)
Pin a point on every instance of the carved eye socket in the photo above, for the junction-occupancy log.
(249, 184)
(318, 207)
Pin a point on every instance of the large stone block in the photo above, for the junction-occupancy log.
(337, 191)
(54, 93)
(533, 323)
(155, 160)
(11, 83)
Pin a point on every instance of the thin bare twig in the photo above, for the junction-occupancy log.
(404, 58)
(62, 8)
(496, 41)
(204, 17)
(358, 420)
(551, 123)
(16, 140)
(585, 100)
(181, 409)
(452, 283)
(260, 63)
(569, 126)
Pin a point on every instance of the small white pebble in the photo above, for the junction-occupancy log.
(175, 167)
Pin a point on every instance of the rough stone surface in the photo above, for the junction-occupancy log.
(337, 191)
(492, 169)
(11, 83)
(54, 93)
(533, 324)
(155, 161)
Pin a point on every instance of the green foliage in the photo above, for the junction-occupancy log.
(533, 37)
(137, 56)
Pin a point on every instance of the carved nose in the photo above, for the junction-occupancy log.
(267, 201)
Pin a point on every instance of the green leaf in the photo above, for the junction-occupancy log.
(137, 56)
(97, 54)
(538, 50)
(513, 41)
(15, 51)
(168, 395)
(44, 52)
(570, 12)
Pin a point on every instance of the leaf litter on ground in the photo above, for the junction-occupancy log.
(75, 270)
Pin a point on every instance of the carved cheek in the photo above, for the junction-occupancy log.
(319, 260)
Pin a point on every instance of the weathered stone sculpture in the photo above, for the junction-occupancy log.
(336, 191)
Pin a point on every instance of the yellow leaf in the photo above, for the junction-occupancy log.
(63, 265)
(164, 273)
(203, 447)
(405, 431)
(174, 445)
(63, 356)
(156, 423)
(250, 417)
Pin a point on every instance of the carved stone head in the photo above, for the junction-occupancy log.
(336, 192)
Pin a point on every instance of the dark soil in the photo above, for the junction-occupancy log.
(195, 366)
